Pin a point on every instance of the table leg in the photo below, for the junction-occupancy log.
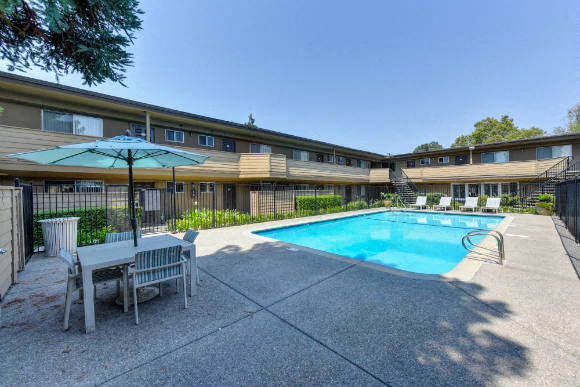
(192, 272)
(125, 289)
(89, 301)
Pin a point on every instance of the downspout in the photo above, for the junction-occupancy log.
(147, 127)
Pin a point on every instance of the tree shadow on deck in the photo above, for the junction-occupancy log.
(404, 331)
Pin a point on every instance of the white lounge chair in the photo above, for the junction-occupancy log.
(420, 203)
(444, 203)
(470, 204)
(492, 204)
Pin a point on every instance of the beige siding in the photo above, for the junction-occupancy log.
(496, 171)
(325, 172)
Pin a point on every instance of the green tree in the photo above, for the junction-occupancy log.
(428, 146)
(573, 125)
(89, 37)
(493, 130)
(250, 123)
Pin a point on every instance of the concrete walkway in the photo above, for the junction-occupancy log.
(270, 315)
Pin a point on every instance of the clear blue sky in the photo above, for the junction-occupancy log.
(382, 76)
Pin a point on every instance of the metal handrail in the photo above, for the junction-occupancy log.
(498, 236)
(549, 176)
(401, 201)
(400, 174)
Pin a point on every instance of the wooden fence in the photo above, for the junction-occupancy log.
(11, 237)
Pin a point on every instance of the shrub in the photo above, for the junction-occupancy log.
(548, 206)
(434, 198)
(357, 205)
(509, 201)
(546, 198)
(319, 202)
(93, 224)
(482, 200)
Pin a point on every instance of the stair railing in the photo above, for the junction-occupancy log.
(401, 176)
(546, 178)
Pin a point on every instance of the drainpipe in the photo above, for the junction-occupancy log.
(471, 148)
(147, 126)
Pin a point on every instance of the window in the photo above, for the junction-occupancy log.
(458, 190)
(495, 157)
(179, 187)
(71, 186)
(473, 190)
(89, 186)
(443, 159)
(425, 161)
(140, 131)
(510, 189)
(410, 163)
(300, 155)
(340, 160)
(348, 162)
(173, 135)
(461, 159)
(260, 148)
(330, 158)
(205, 140)
(72, 123)
(549, 152)
(491, 189)
(206, 187)
(361, 164)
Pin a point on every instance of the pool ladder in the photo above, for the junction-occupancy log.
(498, 236)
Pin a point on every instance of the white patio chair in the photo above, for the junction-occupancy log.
(420, 203)
(155, 267)
(444, 203)
(75, 280)
(470, 204)
(190, 236)
(492, 204)
(112, 237)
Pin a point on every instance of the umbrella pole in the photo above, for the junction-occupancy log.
(132, 198)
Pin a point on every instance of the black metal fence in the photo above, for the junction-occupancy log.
(567, 205)
(104, 208)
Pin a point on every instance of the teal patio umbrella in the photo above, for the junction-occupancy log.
(116, 152)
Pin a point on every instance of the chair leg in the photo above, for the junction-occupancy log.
(67, 303)
(160, 289)
(135, 304)
(176, 285)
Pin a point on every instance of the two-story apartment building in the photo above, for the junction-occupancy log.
(39, 115)
(488, 169)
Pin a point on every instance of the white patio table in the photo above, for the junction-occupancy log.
(97, 257)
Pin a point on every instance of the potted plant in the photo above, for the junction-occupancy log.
(545, 204)
(387, 199)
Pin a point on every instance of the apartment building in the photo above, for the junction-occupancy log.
(488, 169)
(39, 115)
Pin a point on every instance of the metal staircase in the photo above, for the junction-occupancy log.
(546, 181)
(404, 186)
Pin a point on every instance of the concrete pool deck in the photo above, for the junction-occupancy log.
(271, 314)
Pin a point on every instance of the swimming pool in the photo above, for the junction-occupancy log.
(420, 242)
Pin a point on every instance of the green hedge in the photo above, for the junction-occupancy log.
(546, 198)
(93, 224)
(203, 219)
(319, 202)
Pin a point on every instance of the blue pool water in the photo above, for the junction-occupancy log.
(419, 242)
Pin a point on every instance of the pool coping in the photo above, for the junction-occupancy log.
(465, 270)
